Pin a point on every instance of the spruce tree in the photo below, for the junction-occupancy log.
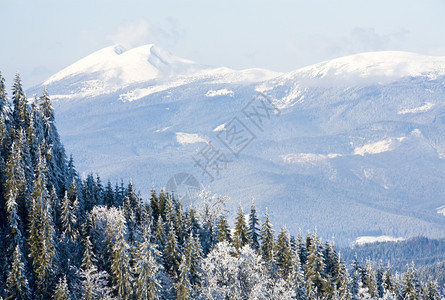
(191, 223)
(154, 204)
(160, 236)
(171, 255)
(267, 244)
(183, 287)
(315, 270)
(17, 284)
(3, 94)
(296, 280)
(20, 113)
(147, 267)
(193, 255)
(94, 282)
(55, 153)
(109, 200)
(283, 254)
(223, 230)
(15, 186)
(68, 219)
(240, 233)
(370, 282)
(61, 292)
(410, 284)
(253, 228)
(341, 282)
(120, 265)
(41, 237)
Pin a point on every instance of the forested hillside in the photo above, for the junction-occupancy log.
(66, 237)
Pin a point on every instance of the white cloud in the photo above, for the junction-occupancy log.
(142, 32)
(131, 34)
(363, 39)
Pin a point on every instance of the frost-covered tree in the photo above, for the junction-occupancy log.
(410, 284)
(183, 287)
(253, 231)
(171, 254)
(94, 284)
(223, 230)
(267, 237)
(283, 253)
(68, 218)
(316, 282)
(17, 284)
(54, 150)
(20, 112)
(120, 263)
(295, 280)
(220, 273)
(147, 284)
(240, 230)
(370, 282)
(193, 255)
(15, 186)
(61, 292)
(41, 233)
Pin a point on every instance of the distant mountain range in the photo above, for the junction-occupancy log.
(353, 146)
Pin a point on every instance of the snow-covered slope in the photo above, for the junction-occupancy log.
(356, 148)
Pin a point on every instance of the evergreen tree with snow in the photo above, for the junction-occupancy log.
(410, 284)
(253, 231)
(296, 280)
(61, 291)
(240, 230)
(370, 282)
(41, 233)
(283, 253)
(193, 255)
(171, 254)
(94, 282)
(147, 284)
(267, 237)
(15, 186)
(120, 264)
(20, 112)
(183, 287)
(17, 284)
(316, 282)
(68, 219)
(223, 230)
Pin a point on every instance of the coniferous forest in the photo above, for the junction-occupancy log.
(66, 237)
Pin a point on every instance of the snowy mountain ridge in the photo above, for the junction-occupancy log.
(356, 150)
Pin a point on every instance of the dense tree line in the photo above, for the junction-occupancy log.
(64, 237)
(421, 250)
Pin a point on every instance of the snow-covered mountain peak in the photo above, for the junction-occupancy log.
(373, 66)
(116, 65)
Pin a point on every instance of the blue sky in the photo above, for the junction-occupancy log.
(40, 38)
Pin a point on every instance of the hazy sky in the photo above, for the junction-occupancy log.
(39, 38)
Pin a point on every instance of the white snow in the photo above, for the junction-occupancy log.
(163, 129)
(374, 239)
(371, 67)
(378, 147)
(306, 158)
(220, 128)
(189, 138)
(221, 92)
(426, 107)
(382, 63)
(135, 65)
(441, 210)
